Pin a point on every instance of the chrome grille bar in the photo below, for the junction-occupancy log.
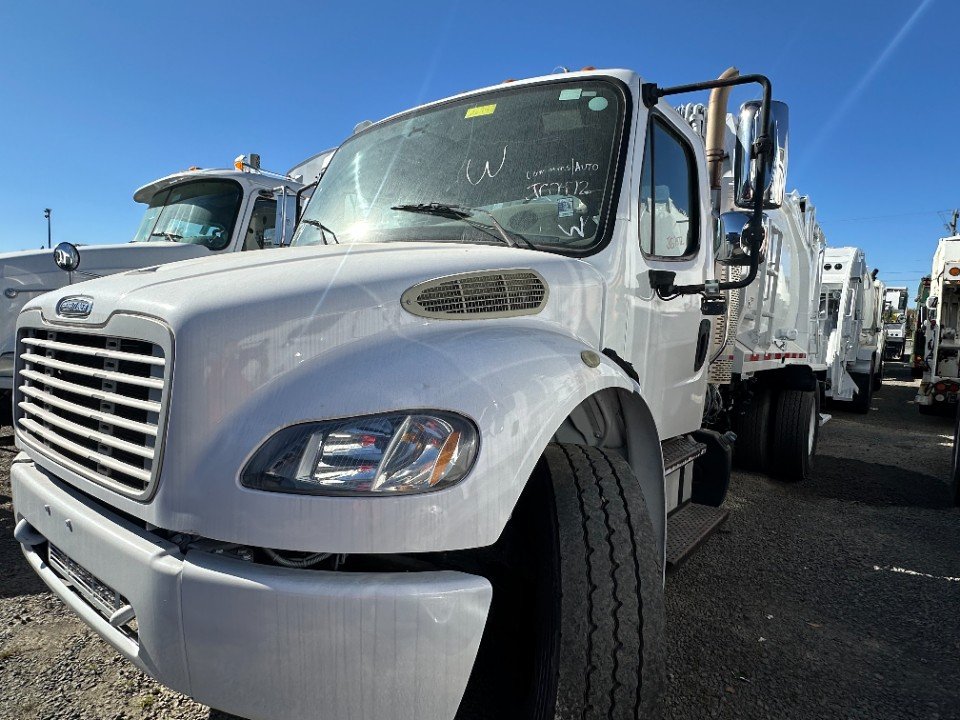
(99, 374)
(87, 412)
(105, 460)
(80, 430)
(95, 352)
(59, 384)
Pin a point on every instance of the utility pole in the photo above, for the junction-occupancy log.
(46, 214)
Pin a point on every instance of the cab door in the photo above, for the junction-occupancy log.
(668, 339)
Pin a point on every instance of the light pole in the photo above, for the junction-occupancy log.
(46, 214)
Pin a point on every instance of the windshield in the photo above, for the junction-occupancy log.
(201, 212)
(541, 159)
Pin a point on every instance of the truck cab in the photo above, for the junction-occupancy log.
(438, 445)
(895, 322)
(190, 214)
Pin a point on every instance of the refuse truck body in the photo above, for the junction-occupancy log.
(940, 381)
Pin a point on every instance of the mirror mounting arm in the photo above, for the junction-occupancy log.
(650, 93)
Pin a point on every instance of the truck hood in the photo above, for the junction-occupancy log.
(29, 273)
(235, 297)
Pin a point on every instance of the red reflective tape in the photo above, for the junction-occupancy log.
(777, 356)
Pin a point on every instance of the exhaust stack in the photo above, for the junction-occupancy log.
(716, 121)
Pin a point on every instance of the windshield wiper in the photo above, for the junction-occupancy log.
(171, 236)
(323, 230)
(458, 212)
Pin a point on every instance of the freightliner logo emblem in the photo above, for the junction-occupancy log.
(74, 306)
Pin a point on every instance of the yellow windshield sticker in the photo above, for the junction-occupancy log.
(480, 110)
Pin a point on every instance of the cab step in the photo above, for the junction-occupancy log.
(689, 526)
(679, 451)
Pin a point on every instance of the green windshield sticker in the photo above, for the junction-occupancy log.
(480, 110)
(571, 94)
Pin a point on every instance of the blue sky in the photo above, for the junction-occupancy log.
(100, 98)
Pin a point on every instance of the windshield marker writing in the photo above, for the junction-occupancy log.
(486, 169)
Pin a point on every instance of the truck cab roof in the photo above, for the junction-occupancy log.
(146, 193)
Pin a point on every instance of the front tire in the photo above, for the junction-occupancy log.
(795, 432)
(576, 625)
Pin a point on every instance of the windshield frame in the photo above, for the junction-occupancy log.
(616, 174)
(241, 197)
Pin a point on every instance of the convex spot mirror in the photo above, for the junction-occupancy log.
(66, 256)
(931, 303)
(745, 166)
(730, 246)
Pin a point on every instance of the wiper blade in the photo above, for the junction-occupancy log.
(323, 230)
(458, 212)
(454, 212)
(171, 236)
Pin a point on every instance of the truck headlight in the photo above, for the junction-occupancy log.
(375, 454)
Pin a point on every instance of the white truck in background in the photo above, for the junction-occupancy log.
(852, 310)
(443, 443)
(895, 322)
(766, 363)
(940, 382)
(189, 214)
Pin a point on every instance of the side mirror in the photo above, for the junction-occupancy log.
(66, 256)
(931, 303)
(745, 165)
(730, 247)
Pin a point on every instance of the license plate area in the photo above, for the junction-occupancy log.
(100, 596)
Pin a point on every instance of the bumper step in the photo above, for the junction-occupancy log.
(688, 527)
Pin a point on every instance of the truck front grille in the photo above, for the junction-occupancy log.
(93, 402)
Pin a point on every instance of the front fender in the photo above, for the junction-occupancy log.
(517, 380)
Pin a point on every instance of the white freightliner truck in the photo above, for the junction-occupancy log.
(895, 322)
(189, 214)
(438, 446)
(851, 306)
(940, 382)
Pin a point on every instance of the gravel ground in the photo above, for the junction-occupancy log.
(838, 597)
(800, 607)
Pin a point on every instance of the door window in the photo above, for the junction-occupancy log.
(261, 233)
(669, 203)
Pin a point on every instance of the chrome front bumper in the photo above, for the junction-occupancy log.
(256, 640)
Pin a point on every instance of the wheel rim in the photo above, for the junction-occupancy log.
(813, 430)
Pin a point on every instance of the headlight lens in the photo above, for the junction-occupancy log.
(376, 454)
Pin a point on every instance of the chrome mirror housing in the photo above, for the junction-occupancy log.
(730, 247)
(745, 165)
(66, 256)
